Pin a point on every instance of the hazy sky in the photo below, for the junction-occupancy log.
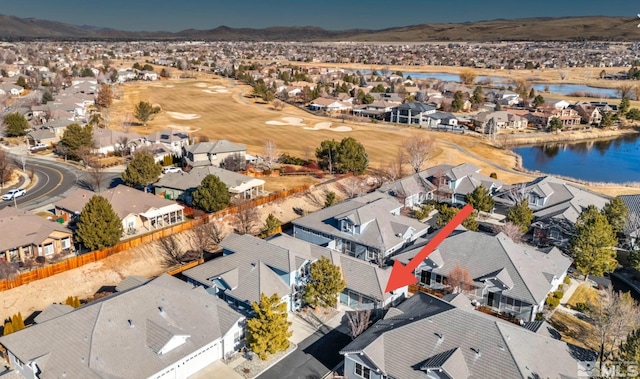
(175, 15)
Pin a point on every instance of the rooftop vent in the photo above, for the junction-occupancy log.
(130, 321)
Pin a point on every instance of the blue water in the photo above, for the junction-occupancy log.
(614, 160)
(563, 89)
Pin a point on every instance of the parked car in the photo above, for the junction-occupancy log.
(169, 169)
(38, 147)
(14, 193)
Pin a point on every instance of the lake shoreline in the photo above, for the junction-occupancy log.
(515, 140)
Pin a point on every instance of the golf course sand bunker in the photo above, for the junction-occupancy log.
(183, 116)
(216, 87)
(183, 128)
(201, 85)
(327, 126)
(288, 121)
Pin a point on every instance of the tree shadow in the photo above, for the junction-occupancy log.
(85, 184)
(115, 182)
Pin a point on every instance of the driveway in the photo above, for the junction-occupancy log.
(216, 370)
(314, 357)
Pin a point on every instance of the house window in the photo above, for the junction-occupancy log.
(347, 227)
(439, 279)
(362, 371)
(66, 243)
(48, 249)
(372, 255)
(425, 277)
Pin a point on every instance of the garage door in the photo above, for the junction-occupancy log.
(200, 361)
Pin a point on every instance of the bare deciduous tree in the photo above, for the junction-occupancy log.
(614, 316)
(624, 90)
(246, 220)
(270, 154)
(278, 105)
(206, 237)
(96, 174)
(359, 321)
(460, 280)
(174, 253)
(394, 169)
(418, 149)
(6, 168)
(511, 230)
(7, 270)
(351, 186)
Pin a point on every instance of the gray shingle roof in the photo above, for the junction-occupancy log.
(190, 180)
(523, 269)
(215, 147)
(116, 336)
(373, 211)
(23, 228)
(428, 332)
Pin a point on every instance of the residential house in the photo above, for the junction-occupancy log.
(212, 153)
(281, 265)
(556, 205)
(491, 122)
(412, 190)
(510, 278)
(106, 141)
(569, 117)
(442, 120)
(378, 109)
(43, 135)
(590, 114)
(148, 75)
(175, 140)
(330, 105)
(632, 226)
(412, 113)
(26, 236)
(180, 185)
(453, 183)
(162, 329)
(426, 337)
(11, 89)
(504, 97)
(139, 211)
(556, 104)
(369, 227)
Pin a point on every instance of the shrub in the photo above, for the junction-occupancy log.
(582, 307)
(288, 159)
(312, 166)
(288, 169)
(493, 175)
(266, 172)
(40, 259)
(567, 280)
(539, 316)
(552, 302)
(558, 294)
(423, 212)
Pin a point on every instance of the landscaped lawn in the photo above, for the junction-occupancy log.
(574, 330)
(583, 294)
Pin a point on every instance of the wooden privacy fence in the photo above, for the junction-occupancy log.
(96, 255)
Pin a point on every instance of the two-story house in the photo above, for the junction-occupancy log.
(508, 277)
(590, 114)
(162, 329)
(453, 183)
(425, 337)
(412, 190)
(175, 140)
(281, 265)
(412, 113)
(556, 205)
(369, 227)
(491, 122)
(212, 153)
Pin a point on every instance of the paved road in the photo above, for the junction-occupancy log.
(314, 357)
(53, 180)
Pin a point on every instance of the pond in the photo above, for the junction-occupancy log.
(563, 89)
(614, 160)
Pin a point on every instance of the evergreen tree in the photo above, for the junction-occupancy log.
(329, 199)
(327, 154)
(269, 331)
(46, 97)
(555, 125)
(271, 226)
(15, 125)
(629, 351)
(211, 195)
(624, 106)
(352, 156)
(325, 284)
(446, 214)
(480, 199)
(142, 170)
(478, 95)
(75, 139)
(145, 112)
(73, 301)
(22, 82)
(593, 243)
(537, 101)
(8, 328)
(616, 212)
(458, 101)
(521, 215)
(99, 225)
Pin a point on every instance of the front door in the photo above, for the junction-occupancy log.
(490, 298)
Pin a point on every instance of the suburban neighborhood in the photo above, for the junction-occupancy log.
(176, 208)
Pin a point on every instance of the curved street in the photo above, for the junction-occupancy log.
(52, 180)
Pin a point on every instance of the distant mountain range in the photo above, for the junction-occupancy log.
(530, 29)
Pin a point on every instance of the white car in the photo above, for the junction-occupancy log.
(38, 146)
(169, 169)
(14, 193)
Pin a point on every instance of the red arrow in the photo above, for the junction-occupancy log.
(402, 275)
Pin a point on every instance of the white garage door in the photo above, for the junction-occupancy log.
(200, 361)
